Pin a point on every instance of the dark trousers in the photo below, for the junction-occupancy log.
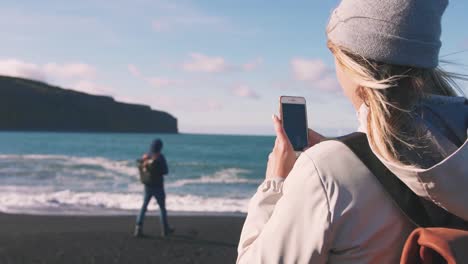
(160, 196)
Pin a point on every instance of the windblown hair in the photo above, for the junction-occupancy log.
(391, 92)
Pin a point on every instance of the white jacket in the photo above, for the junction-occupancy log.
(331, 209)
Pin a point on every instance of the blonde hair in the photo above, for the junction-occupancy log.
(390, 92)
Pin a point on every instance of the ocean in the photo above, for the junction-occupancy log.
(96, 173)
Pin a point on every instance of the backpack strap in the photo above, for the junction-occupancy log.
(409, 203)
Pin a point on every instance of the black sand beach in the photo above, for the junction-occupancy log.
(108, 239)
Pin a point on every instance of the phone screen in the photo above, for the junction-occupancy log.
(295, 124)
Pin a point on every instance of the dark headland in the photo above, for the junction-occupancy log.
(27, 105)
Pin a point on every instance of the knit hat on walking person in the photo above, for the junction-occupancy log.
(400, 32)
(156, 146)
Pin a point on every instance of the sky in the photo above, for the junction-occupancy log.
(218, 66)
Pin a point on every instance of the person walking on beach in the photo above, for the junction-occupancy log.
(153, 167)
(327, 206)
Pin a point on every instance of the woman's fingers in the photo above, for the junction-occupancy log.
(282, 143)
(280, 133)
(282, 158)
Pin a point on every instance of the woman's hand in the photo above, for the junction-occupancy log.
(281, 160)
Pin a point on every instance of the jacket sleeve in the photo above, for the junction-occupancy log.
(288, 222)
(164, 169)
(159, 166)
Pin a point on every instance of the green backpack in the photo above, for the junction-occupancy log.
(145, 174)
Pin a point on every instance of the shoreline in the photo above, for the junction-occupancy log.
(121, 213)
(109, 239)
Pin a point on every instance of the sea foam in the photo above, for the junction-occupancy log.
(69, 202)
(61, 184)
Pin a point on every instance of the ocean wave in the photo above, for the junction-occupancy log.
(67, 168)
(226, 176)
(70, 202)
(190, 163)
(97, 166)
(62, 184)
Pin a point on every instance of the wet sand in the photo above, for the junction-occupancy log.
(109, 239)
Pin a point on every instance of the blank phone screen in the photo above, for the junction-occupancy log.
(295, 124)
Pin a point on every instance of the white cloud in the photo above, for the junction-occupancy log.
(199, 62)
(134, 70)
(76, 76)
(18, 68)
(162, 82)
(244, 91)
(315, 72)
(308, 70)
(250, 66)
(203, 63)
(70, 70)
(52, 70)
(91, 88)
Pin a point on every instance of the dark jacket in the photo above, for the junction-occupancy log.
(158, 168)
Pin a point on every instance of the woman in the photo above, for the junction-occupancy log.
(326, 206)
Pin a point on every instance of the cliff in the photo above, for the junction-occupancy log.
(27, 105)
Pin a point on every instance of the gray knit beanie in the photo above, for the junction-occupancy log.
(401, 32)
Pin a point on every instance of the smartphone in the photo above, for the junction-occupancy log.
(294, 117)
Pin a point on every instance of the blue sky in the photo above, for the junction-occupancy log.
(218, 66)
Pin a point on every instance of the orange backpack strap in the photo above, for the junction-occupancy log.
(436, 245)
